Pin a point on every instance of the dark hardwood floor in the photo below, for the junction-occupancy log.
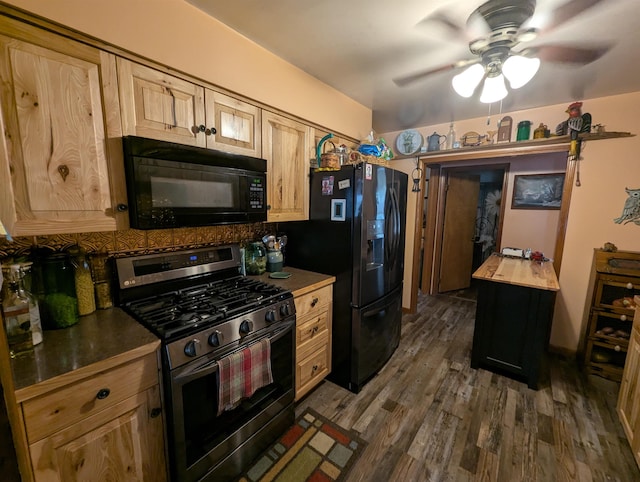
(428, 416)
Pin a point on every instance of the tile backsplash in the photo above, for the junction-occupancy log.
(118, 243)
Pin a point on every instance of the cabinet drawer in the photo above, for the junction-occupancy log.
(312, 328)
(314, 301)
(311, 370)
(49, 413)
(612, 329)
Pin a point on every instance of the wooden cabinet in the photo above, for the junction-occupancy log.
(513, 316)
(313, 338)
(615, 281)
(285, 146)
(60, 155)
(104, 427)
(629, 396)
(161, 106)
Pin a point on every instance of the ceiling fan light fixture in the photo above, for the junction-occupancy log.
(465, 83)
(519, 70)
(493, 89)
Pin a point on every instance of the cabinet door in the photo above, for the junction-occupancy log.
(629, 397)
(58, 111)
(234, 125)
(285, 145)
(159, 106)
(123, 442)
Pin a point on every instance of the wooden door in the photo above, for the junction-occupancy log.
(629, 396)
(58, 111)
(160, 106)
(235, 125)
(123, 442)
(285, 147)
(461, 206)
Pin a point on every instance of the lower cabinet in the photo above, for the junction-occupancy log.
(313, 338)
(105, 427)
(629, 395)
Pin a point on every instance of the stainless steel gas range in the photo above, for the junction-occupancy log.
(196, 302)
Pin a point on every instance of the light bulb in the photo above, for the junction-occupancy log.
(519, 70)
(465, 83)
(493, 90)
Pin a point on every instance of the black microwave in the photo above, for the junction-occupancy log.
(173, 185)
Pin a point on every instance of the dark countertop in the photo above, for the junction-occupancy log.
(300, 282)
(109, 336)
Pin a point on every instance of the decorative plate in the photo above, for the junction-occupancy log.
(409, 142)
(279, 275)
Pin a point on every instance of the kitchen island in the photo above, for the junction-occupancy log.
(516, 298)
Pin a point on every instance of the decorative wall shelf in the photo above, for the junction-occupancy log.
(516, 148)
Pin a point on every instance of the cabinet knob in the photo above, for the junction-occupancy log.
(629, 286)
(315, 368)
(122, 207)
(314, 302)
(155, 412)
(197, 129)
(623, 317)
(616, 348)
(103, 393)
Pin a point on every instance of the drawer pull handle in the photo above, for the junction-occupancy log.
(314, 330)
(314, 302)
(616, 348)
(155, 412)
(315, 368)
(102, 394)
(623, 317)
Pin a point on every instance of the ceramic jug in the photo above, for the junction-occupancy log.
(434, 141)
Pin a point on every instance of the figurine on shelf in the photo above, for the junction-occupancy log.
(576, 123)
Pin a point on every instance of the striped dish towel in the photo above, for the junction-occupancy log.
(242, 373)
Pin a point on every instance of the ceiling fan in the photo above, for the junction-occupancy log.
(495, 29)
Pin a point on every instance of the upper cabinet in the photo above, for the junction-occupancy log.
(161, 106)
(234, 125)
(286, 146)
(60, 155)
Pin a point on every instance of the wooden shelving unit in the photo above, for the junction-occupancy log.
(615, 282)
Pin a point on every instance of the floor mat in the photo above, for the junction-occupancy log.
(314, 450)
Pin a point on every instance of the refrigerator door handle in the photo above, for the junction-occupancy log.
(392, 225)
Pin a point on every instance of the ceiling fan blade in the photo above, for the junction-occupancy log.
(411, 78)
(444, 24)
(566, 54)
(564, 13)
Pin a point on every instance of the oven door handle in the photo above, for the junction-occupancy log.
(211, 365)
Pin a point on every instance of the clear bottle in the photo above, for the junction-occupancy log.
(23, 273)
(101, 271)
(15, 311)
(451, 137)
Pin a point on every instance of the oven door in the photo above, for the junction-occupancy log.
(207, 446)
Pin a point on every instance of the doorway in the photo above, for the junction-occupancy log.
(467, 225)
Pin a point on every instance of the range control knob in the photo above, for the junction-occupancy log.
(270, 316)
(246, 327)
(285, 309)
(191, 348)
(216, 338)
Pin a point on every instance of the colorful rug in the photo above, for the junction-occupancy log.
(313, 450)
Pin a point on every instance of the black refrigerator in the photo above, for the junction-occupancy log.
(356, 232)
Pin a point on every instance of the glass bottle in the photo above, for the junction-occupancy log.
(255, 258)
(15, 311)
(101, 271)
(451, 137)
(60, 305)
(83, 282)
(23, 271)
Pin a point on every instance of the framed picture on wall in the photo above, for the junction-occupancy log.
(537, 191)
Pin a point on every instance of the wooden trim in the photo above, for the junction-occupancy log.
(563, 217)
(430, 229)
(518, 148)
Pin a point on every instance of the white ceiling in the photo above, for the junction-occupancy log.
(359, 46)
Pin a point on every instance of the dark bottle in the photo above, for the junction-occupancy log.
(60, 305)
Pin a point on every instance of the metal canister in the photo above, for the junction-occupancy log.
(524, 130)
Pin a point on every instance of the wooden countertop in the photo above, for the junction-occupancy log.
(520, 272)
(99, 341)
(300, 282)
